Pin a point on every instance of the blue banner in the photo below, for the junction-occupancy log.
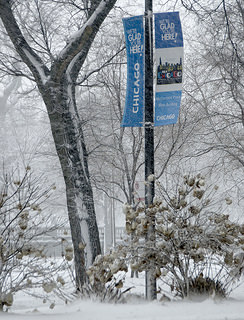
(168, 32)
(134, 104)
(167, 110)
(169, 59)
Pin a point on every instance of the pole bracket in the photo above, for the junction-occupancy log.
(149, 125)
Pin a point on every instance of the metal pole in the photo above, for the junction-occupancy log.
(113, 213)
(149, 140)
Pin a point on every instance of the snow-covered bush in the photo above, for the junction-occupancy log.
(23, 263)
(193, 248)
(106, 276)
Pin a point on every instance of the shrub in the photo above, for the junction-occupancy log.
(106, 277)
(23, 263)
(192, 248)
(205, 286)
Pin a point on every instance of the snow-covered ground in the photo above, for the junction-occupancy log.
(86, 310)
(26, 308)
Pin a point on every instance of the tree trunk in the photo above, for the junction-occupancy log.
(71, 150)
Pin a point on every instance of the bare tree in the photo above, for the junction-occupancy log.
(118, 153)
(214, 84)
(55, 72)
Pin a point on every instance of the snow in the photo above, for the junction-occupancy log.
(37, 65)
(87, 310)
(209, 309)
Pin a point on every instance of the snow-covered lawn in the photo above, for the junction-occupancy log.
(86, 310)
(26, 308)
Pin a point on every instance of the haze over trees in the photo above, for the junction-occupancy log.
(71, 54)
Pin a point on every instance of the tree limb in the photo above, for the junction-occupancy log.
(27, 54)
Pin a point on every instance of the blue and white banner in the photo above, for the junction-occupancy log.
(134, 104)
(169, 59)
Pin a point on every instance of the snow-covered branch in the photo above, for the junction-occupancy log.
(32, 60)
(74, 54)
